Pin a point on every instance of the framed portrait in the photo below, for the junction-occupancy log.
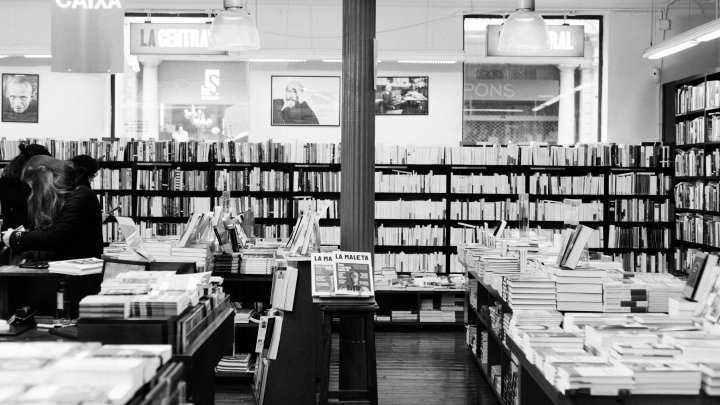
(305, 100)
(401, 95)
(20, 96)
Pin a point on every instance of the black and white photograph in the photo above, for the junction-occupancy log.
(306, 100)
(401, 95)
(20, 94)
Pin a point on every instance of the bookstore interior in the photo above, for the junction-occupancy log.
(252, 202)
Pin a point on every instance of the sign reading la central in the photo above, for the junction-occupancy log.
(89, 4)
(170, 39)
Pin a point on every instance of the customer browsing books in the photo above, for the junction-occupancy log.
(66, 220)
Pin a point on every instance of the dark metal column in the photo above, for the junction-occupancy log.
(357, 198)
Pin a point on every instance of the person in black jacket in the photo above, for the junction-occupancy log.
(13, 191)
(87, 169)
(66, 219)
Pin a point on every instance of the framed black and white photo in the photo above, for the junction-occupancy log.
(20, 96)
(306, 100)
(401, 95)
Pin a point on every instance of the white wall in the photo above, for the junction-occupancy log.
(71, 106)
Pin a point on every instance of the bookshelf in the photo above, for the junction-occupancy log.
(691, 120)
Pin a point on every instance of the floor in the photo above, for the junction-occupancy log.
(413, 367)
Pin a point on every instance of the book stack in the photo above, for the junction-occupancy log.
(666, 378)
(534, 320)
(710, 378)
(403, 316)
(661, 291)
(496, 318)
(681, 307)
(579, 290)
(134, 282)
(453, 307)
(599, 379)
(625, 295)
(542, 339)
(257, 261)
(602, 337)
(226, 262)
(697, 346)
(493, 267)
(645, 352)
(437, 316)
(576, 321)
(530, 291)
(242, 315)
(105, 306)
(237, 363)
(483, 348)
(76, 267)
(163, 304)
(549, 360)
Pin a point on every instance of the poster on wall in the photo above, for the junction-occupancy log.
(401, 95)
(20, 95)
(306, 100)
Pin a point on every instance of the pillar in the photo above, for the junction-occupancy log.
(566, 107)
(588, 106)
(150, 112)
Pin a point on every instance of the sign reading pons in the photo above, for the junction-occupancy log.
(512, 90)
(170, 39)
(565, 40)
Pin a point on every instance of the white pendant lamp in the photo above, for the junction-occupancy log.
(524, 31)
(233, 29)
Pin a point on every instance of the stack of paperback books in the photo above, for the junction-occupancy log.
(163, 304)
(535, 320)
(257, 261)
(403, 316)
(599, 379)
(576, 321)
(666, 378)
(76, 267)
(226, 262)
(493, 266)
(697, 346)
(579, 290)
(238, 363)
(625, 295)
(540, 339)
(710, 378)
(681, 307)
(529, 291)
(549, 360)
(105, 306)
(645, 352)
(602, 337)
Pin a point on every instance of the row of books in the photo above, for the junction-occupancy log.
(414, 209)
(688, 132)
(690, 162)
(408, 263)
(488, 184)
(638, 237)
(551, 184)
(329, 235)
(154, 206)
(712, 163)
(569, 210)
(326, 208)
(641, 262)
(640, 184)
(172, 179)
(313, 181)
(110, 201)
(638, 210)
(704, 229)
(150, 229)
(406, 182)
(263, 207)
(690, 98)
(698, 195)
(713, 128)
(124, 149)
(253, 179)
(112, 179)
(429, 235)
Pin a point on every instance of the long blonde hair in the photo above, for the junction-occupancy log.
(50, 181)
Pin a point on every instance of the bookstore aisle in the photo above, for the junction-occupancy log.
(414, 367)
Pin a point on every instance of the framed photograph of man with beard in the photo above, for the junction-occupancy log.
(305, 100)
(20, 96)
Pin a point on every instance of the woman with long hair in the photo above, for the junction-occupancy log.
(65, 219)
(13, 191)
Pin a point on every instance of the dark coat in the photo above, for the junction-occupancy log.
(13, 202)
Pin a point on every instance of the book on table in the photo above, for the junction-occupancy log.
(573, 245)
(90, 265)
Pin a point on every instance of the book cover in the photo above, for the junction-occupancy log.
(353, 273)
(322, 269)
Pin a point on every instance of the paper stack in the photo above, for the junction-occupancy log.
(661, 291)
(537, 340)
(453, 307)
(238, 363)
(134, 282)
(625, 295)
(77, 267)
(105, 306)
(529, 291)
(602, 337)
(493, 267)
(600, 379)
(257, 261)
(697, 347)
(681, 307)
(576, 321)
(549, 360)
(666, 378)
(710, 378)
(578, 290)
(534, 321)
(163, 304)
(645, 352)
(403, 316)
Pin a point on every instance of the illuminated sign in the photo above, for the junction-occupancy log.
(565, 40)
(170, 39)
(89, 4)
(512, 90)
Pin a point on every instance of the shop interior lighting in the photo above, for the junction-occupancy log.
(37, 56)
(429, 62)
(276, 60)
(332, 60)
(233, 29)
(524, 31)
(685, 40)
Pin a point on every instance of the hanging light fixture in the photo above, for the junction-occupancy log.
(524, 31)
(233, 29)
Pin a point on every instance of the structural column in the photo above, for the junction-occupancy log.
(357, 198)
(566, 107)
(150, 112)
(588, 106)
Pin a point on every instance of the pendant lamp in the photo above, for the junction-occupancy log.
(524, 31)
(233, 29)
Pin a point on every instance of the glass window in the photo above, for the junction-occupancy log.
(552, 98)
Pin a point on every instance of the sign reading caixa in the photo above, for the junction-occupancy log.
(170, 39)
(89, 4)
(565, 40)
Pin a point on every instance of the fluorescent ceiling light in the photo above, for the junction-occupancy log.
(332, 60)
(685, 40)
(38, 56)
(524, 31)
(233, 29)
(276, 60)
